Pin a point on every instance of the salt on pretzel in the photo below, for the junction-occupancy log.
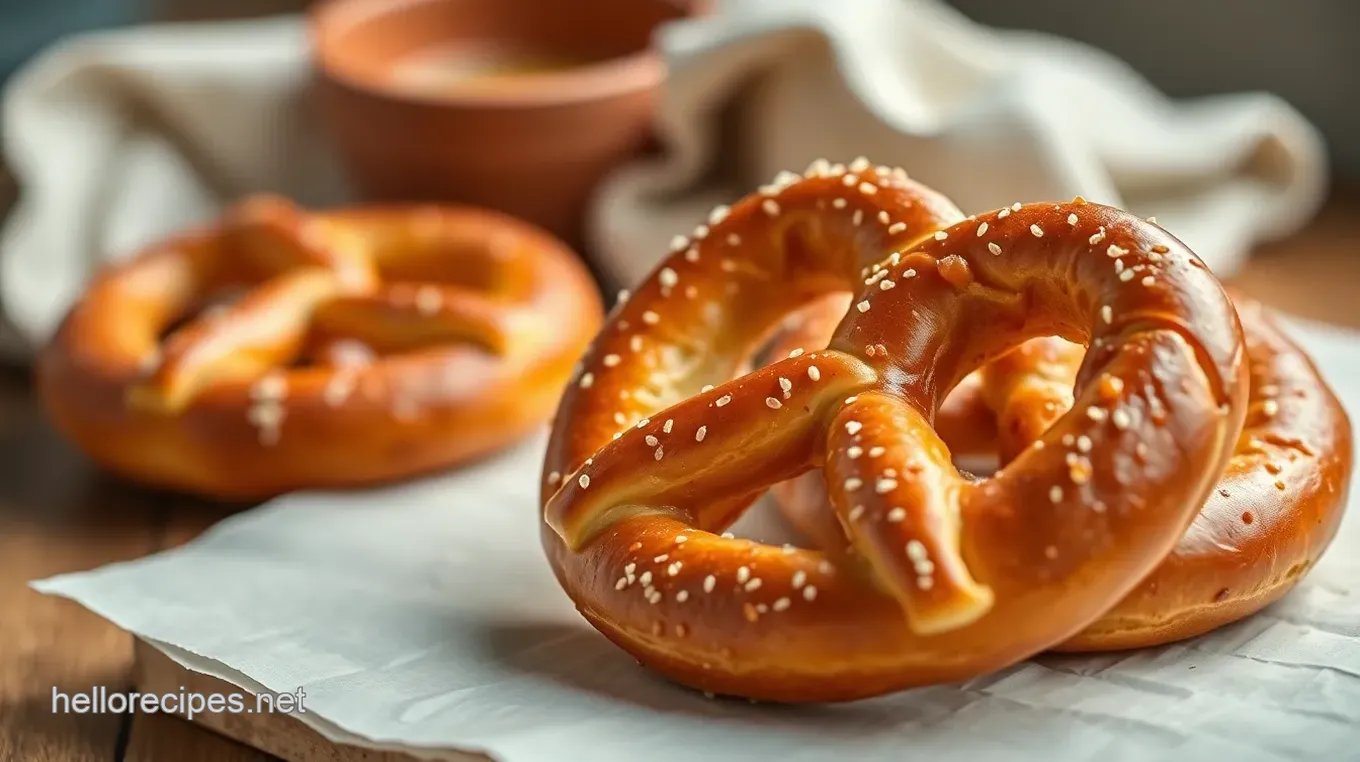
(365, 345)
(950, 577)
(1273, 513)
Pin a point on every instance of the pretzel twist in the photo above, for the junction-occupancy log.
(363, 345)
(949, 577)
(1275, 508)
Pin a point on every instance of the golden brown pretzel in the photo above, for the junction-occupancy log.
(370, 344)
(1274, 511)
(950, 578)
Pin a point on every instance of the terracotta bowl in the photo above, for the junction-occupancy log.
(517, 105)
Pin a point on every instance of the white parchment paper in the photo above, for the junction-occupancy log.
(425, 617)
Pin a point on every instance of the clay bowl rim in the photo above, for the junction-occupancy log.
(592, 82)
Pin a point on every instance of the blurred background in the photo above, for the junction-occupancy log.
(1301, 50)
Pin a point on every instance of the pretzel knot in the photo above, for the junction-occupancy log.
(657, 448)
(279, 350)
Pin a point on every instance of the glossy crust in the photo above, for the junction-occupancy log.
(1274, 511)
(371, 344)
(950, 577)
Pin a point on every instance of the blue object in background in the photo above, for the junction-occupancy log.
(28, 26)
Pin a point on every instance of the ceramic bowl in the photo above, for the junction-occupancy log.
(517, 105)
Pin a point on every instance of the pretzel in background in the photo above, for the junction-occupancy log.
(281, 350)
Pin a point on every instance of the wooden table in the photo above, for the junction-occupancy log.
(58, 514)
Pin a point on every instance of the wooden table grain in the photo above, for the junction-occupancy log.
(58, 514)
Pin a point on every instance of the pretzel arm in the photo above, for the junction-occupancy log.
(898, 500)
(733, 440)
(275, 236)
(1274, 511)
(243, 342)
(402, 317)
(1123, 469)
(1029, 389)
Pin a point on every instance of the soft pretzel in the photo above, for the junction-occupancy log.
(1274, 511)
(950, 577)
(364, 345)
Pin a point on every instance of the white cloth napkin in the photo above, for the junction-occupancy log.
(424, 617)
(986, 116)
(120, 137)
